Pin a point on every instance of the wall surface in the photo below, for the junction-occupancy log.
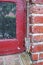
(15, 59)
(35, 30)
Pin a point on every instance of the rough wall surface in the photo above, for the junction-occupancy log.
(16, 59)
(35, 33)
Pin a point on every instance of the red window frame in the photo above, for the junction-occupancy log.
(9, 46)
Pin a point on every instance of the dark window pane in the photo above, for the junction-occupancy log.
(7, 20)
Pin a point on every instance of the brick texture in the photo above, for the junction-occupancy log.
(36, 1)
(36, 30)
(39, 63)
(34, 57)
(36, 9)
(37, 56)
(36, 20)
(41, 56)
(37, 38)
(37, 48)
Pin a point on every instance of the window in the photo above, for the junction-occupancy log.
(7, 20)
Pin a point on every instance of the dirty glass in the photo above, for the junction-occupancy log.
(7, 20)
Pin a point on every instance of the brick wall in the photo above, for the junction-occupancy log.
(35, 30)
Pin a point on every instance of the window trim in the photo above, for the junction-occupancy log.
(9, 46)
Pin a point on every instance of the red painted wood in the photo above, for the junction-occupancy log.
(10, 46)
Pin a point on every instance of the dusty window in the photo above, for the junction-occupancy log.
(7, 20)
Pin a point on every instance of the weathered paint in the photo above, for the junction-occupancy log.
(10, 46)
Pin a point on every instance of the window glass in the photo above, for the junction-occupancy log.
(7, 20)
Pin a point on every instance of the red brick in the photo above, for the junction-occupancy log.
(36, 9)
(34, 56)
(36, 1)
(38, 38)
(37, 48)
(36, 19)
(37, 29)
(41, 56)
(39, 63)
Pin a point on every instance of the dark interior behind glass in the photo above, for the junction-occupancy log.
(7, 20)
